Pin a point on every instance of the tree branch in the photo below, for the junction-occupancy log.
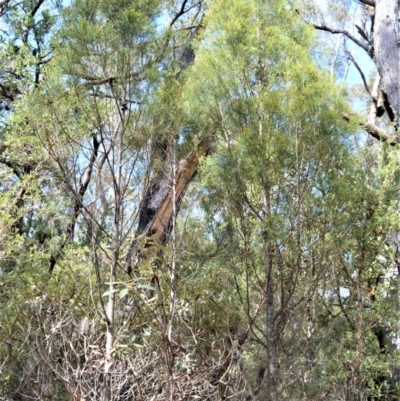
(18, 167)
(83, 185)
(138, 76)
(368, 2)
(377, 133)
(99, 81)
(9, 92)
(350, 56)
(156, 210)
(36, 8)
(363, 34)
(179, 13)
(370, 126)
(368, 49)
(78, 194)
(32, 13)
(182, 11)
(381, 135)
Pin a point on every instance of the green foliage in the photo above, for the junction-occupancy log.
(280, 253)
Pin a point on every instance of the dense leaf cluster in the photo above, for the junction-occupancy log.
(185, 213)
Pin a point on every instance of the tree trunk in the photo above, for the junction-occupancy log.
(157, 209)
(270, 321)
(387, 50)
(272, 389)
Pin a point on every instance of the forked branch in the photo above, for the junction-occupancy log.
(369, 49)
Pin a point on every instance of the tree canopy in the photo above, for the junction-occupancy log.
(194, 205)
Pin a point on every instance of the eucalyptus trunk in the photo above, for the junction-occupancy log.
(387, 50)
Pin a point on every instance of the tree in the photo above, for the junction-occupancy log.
(120, 280)
(274, 176)
(377, 35)
(87, 128)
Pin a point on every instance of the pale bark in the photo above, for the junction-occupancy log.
(169, 354)
(387, 50)
(371, 125)
(116, 245)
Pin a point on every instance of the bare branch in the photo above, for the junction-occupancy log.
(370, 127)
(368, 2)
(182, 11)
(377, 133)
(179, 13)
(363, 34)
(33, 13)
(138, 76)
(381, 135)
(350, 56)
(99, 81)
(368, 49)
(243, 337)
(36, 8)
(122, 101)
(83, 185)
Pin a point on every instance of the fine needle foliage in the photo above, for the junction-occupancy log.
(186, 213)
